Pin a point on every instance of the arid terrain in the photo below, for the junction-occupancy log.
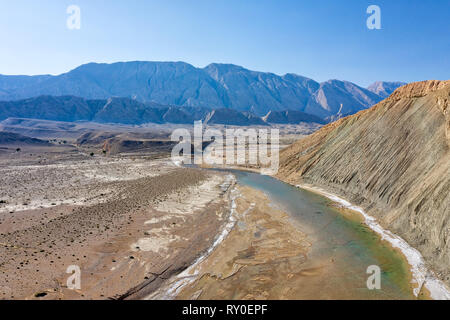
(109, 200)
(123, 220)
(393, 160)
(106, 198)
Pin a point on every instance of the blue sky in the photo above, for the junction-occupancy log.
(319, 39)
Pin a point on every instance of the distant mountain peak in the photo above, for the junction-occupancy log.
(229, 66)
(384, 88)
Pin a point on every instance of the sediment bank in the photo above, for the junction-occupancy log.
(421, 275)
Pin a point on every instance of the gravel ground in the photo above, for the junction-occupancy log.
(123, 221)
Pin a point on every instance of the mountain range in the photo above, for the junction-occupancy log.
(132, 112)
(215, 86)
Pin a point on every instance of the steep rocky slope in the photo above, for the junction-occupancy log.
(393, 160)
(336, 97)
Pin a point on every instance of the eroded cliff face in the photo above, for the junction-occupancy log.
(393, 160)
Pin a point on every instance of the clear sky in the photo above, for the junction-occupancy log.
(319, 39)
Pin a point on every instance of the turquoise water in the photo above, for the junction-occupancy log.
(351, 245)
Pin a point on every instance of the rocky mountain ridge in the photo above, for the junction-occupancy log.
(215, 86)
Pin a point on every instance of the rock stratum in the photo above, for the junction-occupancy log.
(394, 161)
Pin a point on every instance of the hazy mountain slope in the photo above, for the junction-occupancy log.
(394, 160)
(14, 139)
(178, 83)
(12, 83)
(70, 109)
(291, 117)
(327, 100)
(232, 117)
(126, 111)
(66, 108)
(131, 112)
(383, 88)
(260, 92)
(162, 82)
(183, 115)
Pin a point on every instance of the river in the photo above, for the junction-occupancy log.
(343, 239)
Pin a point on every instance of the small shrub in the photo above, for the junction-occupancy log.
(40, 294)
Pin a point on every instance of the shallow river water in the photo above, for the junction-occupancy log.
(346, 241)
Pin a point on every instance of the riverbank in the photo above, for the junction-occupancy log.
(422, 277)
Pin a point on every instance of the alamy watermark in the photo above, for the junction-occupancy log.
(74, 19)
(374, 280)
(255, 147)
(74, 281)
(374, 20)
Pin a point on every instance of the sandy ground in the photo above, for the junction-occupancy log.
(72, 182)
(127, 223)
